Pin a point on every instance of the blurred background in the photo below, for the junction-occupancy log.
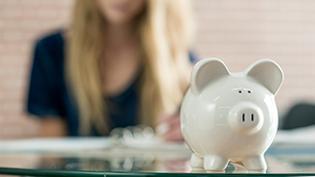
(239, 32)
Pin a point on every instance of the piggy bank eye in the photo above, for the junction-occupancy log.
(248, 91)
(240, 91)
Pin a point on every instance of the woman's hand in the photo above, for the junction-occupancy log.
(169, 127)
(52, 127)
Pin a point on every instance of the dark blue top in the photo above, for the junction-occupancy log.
(49, 96)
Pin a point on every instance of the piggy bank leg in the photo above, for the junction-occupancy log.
(215, 163)
(196, 161)
(255, 163)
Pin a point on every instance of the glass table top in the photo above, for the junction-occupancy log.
(102, 157)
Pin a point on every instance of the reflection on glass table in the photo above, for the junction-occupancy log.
(104, 156)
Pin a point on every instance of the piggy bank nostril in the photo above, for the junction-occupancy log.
(243, 117)
(252, 117)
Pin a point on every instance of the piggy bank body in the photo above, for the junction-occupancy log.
(230, 116)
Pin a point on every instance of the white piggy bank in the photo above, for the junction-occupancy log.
(230, 116)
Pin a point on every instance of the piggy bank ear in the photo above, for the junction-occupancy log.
(268, 73)
(207, 71)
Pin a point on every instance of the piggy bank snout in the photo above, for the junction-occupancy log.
(246, 117)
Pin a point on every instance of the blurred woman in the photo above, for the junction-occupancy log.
(120, 63)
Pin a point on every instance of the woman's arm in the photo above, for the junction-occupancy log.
(44, 98)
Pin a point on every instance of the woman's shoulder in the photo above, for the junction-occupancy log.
(51, 39)
(50, 46)
(193, 57)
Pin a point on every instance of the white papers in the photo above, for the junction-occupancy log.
(89, 145)
(302, 136)
(54, 144)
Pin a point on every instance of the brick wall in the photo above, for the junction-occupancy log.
(242, 31)
(239, 31)
(21, 22)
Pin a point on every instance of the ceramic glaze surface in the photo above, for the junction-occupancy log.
(231, 116)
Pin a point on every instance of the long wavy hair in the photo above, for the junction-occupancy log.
(165, 30)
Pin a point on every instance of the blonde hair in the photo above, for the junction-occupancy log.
(165, 31)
